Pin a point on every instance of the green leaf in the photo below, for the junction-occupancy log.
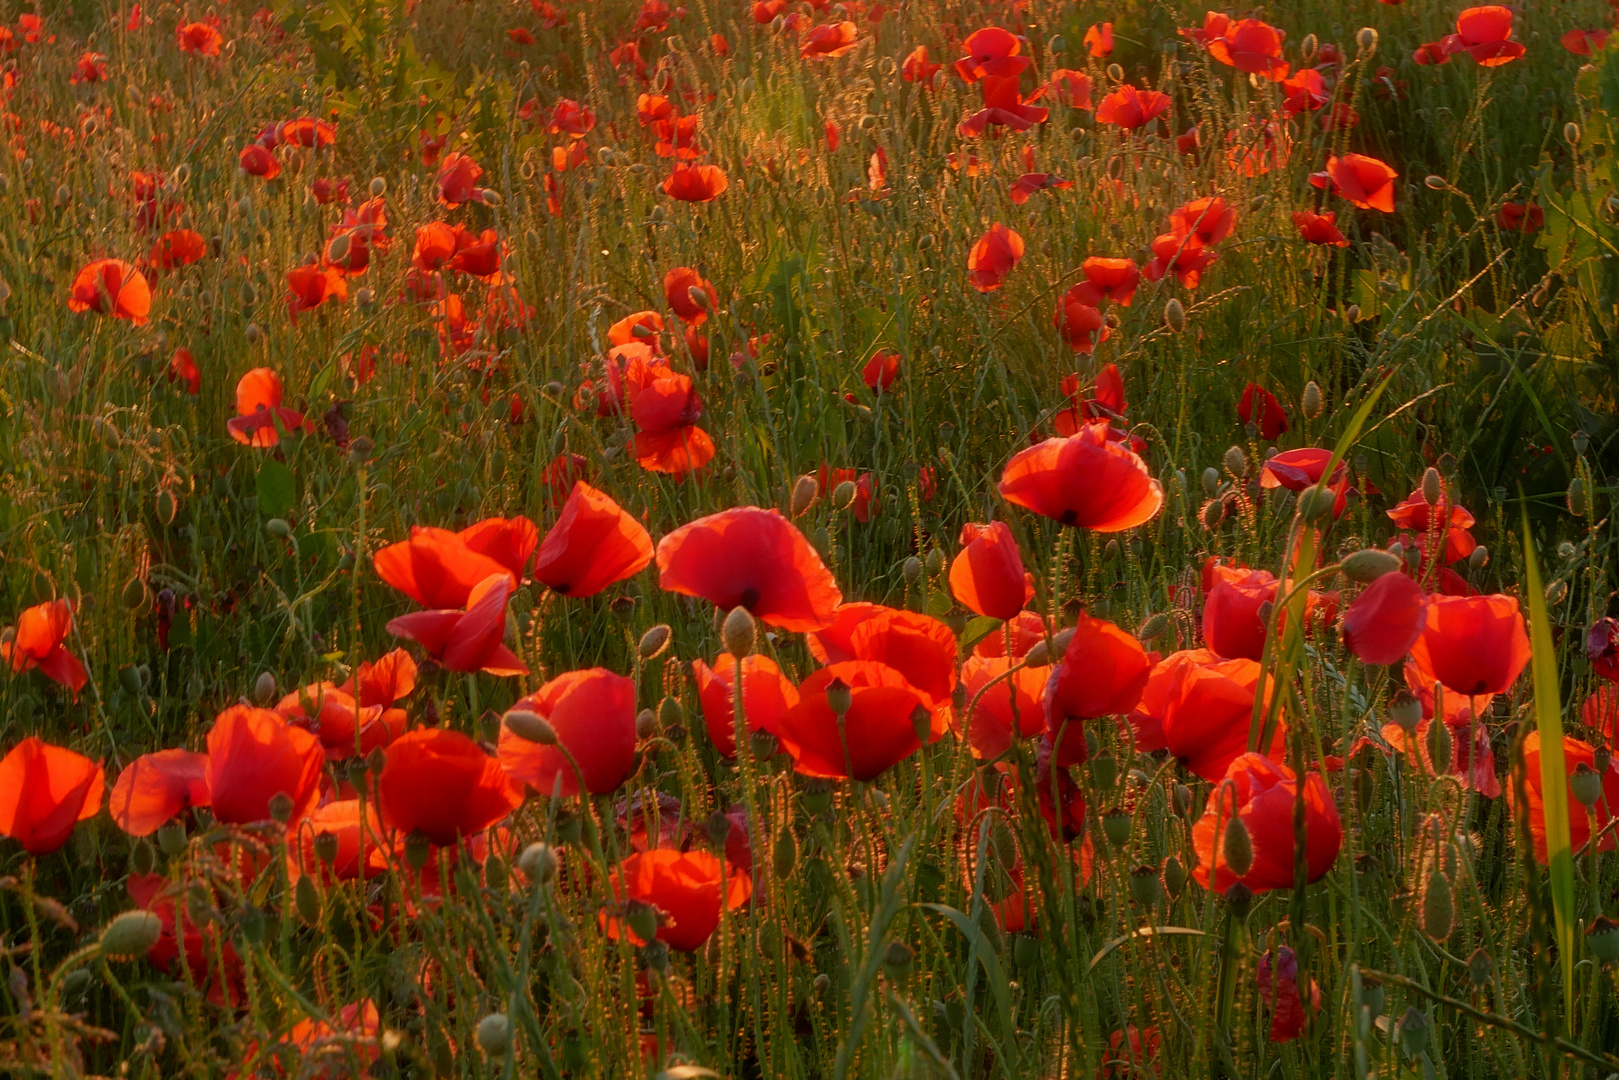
(986, 956)
(978, 628)
(277, 489)
(323, 379)
(1553, 769)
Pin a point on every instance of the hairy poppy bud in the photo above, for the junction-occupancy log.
(1438, 905)
(805, 489)
(1315, 503)
(1174, 877)
(306, 899)
(494, 1034)
(646, 724)
(843, 495)
(1309, 46)
(1154, 627)
(142, 859)
(1571, 133)
(167, 506)
(1236, 462)
(1145, 888)
(1433, 489)
(1115, 72)
(64, 195)
(1211, 480)
(1603, 937)
(1175, 315)
(1181, 800)
(130, 935)
(784, 854)
(1576, 496)
(1369, 564)
(912, 570)
(1435, 183)
(1311, 401)
(1238, 847)
(365, 299)
(738, 633)
(1440, 744)
(654, 641)
(338, 249)
(538, 862)
(1585, 784)
(838, 696)
(531, 726)
(135, 594)
(1057, 45)
(278, 528)
(671, 714)
(253, 334)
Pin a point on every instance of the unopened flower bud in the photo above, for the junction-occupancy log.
(654, 641)
(1366, 39)
(130, 935)
(784, 854)
(805, 489)
(494, 1034)
(1174, 877)
(646, 724)
(1236, 462)
(306, 900)
(538, 862)
(531, 726)
(843, 495)
(738, 633)
(1238, 847)
(1576, 496)
(1369, 564)
(1571, 133)
(1175, 315)
(1438, 905)
(1211, 480)
(1433, 488)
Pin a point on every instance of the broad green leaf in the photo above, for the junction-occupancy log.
(277, 489)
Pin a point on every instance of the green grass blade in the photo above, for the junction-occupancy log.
(1553, 775)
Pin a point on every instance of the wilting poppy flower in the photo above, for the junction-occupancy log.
(111, 287)
(987, 576)
(1010, 709)
(182, 247)
(1207, 709)
(1102, 673)
(260, 161)
(594, 544)
(1107, 279)
(991, 52)
(183, 368)
(877, 733)
(1261, 408)
(593, 714)
(44, 791)
(1298, 469)
(260, 416)
(91, 68)
(678, 290)
(1383, 623)
(753, 558)
(1099, 40)
(253, 756)
(438, 782)
(1130, 108)
(1365, 181)
(916, 67)
(469, 639)
(1319, 228)
(828, 40)
(458, 180)
(1575, 754)
(1252, 46)
(1005, 107)
(1521, 217)
(1088, 481)
(696, 183)
(1278, 983)
(38, 643)
(993, 257)
(1485, 33)
(1602, 648)
(1261, 793)
(438, 568)
(766, 695)
(687, 889)
(1472, 760)
(202, 38)
(1072, 88)
(1585, 42)
(154, 788)
(1471, 644)
(1210, 220)
(1183, 256)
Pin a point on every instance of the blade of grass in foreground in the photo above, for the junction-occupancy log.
(1553, 777)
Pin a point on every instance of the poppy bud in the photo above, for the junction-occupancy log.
(1175, 315)
(531, 726)
(1440, 744)
(365, 299)
(326, 847)
(1571, 133)
(805, 490)
(171, 838)
(654, 641)
(1309, 46)
(784, 854)
(1369, 564)
(1154, 627)
(1352, 313)
(1603, 937)
(1311, 401)
(264, 688)
(1236, 462)
(538, 862)
(1366, 39)
(1240, 897)
(130, 935)
(1438, 905)
(1435, 183)
(738, 633)
(839, 698)
(278, 528)
(1576, 496)
(935, 561)
(167, 506)
(1181, 800)
(135, 594)
(489, 197)
(306, 899)
(1116, 73)
(1413, 1032)
(897, 958)
(1145, 888)
(417, 849)
(64, 195)
(338, 249)
(843, 495)
(1211, 480)
(1116, 826)
(494, 1034)
(1480, 967)
(1433, 489)
(1174, 877)
(1585, 784)
(142, 859)
(253, 334)
(671, 714)
(1315, 503)
(1238, 847)
(642, 919)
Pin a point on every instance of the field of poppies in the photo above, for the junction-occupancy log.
(1150, 471)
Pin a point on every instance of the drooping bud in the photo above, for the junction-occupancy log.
(1211, 480)
(538, 862)
(531, 726)
(671, 714)
(738, 633)
(1316, 502)
(805, 490)
(843, 495)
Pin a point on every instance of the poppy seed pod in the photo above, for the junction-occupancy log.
(1116, 826)
(654, 641)
(1145, 888)
(839, 696)
(1236, 462)
(1175, 315)
(912, 570)
(1585, 784)
(171, 838)
(738, 633)
(531, 726)
(1480, 968)
(1238, 847)
(130, 935)
(326, 848)
(1603, 937)
(1369, 564)
(1405, 711)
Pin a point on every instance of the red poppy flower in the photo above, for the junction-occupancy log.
(201, 38)
(1130, 1053)
(1319, 228)
(38, 643)
(183, 368)
(469, 639)
(1210, 220)
(1602, 648)
(111, 287)
(344, 726)
(1471, 644)
(260, 161)
(1575, 754)
(1261, 408)
(1088, 481)
(438, 568)
(678, 286)
(1102, 673)
(310, 286)
(1184, 256)
(1298, 469)
(436, 244)
(1163, 684)
(753, 558)
(1005, 107)
(438, 782)
(1431, 54)
(696, 183)
(1485, 33)
(307, 131)
(1081, 325)
(154, 788)
(1526, 218)
(327, 191)
(458, 180)
(916, 67)
(688, 890)
(593, 544)
(1585, 42)
(993, 257)
(828, 40)
(1252, 46)
(987, 576)
(1207, 709)
(1010, 709)
(570, 118)
(480, 257)
(1130, 108)
(991, 52)
(44, 791)
(260, 417)
(1232, 625)
(593, 714)
(1306, 91)
(881, 371)
(1099, 40)
(1107, 279)
(1472, 759)
(1072, 88)
(1261, 793)
(182, 247)
(1278, 983)
(766, 695)
(1365, 181)
(877, 733)
(1214, 26)
(253, 756)
(91, 68)
(1600, 713)
(1383, 623)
